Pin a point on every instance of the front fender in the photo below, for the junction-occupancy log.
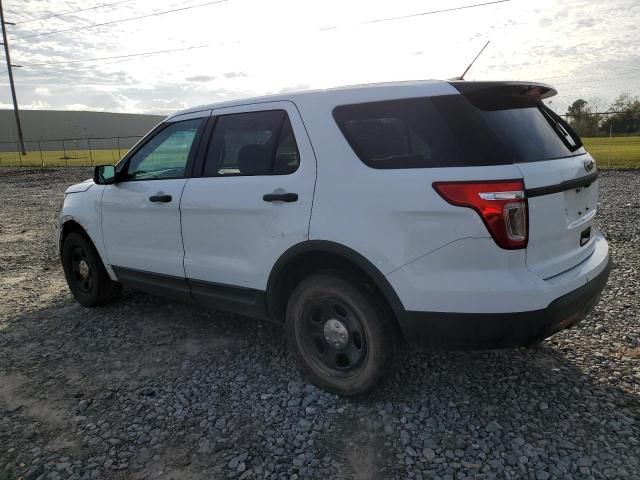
(85, 209)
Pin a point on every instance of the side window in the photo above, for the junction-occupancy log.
(406, 133)
(164, 155)
(254, 143)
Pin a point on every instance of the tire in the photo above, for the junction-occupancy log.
(89, 282)
(352, 356)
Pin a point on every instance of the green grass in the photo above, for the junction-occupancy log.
(54, 158)
(615, 152)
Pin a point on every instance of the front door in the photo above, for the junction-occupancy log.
(140, 213)
(251, 203)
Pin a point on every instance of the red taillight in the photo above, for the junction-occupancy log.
(501, 205)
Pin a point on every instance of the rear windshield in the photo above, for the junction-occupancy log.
(449, 131)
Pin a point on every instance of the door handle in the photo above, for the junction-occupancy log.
(160, 198)
(282, 197)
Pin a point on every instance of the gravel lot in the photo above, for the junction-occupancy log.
(148, 388)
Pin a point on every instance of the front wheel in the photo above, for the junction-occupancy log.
(344, 339)
(86, 276)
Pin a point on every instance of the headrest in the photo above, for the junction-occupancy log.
(254, 159)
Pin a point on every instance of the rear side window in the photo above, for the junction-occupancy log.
(408, 133)
(449, 131)
(252, 143)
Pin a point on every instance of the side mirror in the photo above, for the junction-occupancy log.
(104, 175)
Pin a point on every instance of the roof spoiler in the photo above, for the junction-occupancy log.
(501, 95)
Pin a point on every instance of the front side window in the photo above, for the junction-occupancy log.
(165, 155)
(252, 143)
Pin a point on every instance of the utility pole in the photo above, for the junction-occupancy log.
(13, 87)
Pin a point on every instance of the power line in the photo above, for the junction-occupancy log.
(157, 52)
(203, 46)
(591, 113)
(629, 78)
(86, 27)
(71, 12)
(433, 12)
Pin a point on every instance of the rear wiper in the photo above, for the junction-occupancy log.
(569, 140)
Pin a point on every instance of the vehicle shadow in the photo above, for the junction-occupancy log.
(508, 409)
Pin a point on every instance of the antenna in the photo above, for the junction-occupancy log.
(461, 77)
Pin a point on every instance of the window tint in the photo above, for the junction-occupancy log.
(389, 134)
(528, 134)
(165, 155)
(448, 131)
(567, 134)
(287, 156)
(254, 143)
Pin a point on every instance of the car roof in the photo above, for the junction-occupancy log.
(382, 90)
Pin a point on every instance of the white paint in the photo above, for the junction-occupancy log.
(438, 257)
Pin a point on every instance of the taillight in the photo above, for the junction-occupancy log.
(502, 205)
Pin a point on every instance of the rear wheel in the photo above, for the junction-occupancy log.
(86, 276)
(343, 338)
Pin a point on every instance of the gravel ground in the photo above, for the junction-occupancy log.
(148, 388)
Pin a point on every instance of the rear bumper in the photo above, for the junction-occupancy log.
(446, 330)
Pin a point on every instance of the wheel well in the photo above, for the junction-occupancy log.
(309, 263)
(72, 226)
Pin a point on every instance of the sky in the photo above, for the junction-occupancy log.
(237, 48)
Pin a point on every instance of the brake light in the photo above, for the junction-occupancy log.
(502, 205)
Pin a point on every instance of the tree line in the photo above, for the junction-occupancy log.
(622, 117)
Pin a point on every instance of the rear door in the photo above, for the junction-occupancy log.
(251, 203)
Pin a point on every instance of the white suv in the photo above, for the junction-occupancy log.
(440, 214)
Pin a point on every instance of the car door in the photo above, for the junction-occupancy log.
(140, 212)
(251, 202)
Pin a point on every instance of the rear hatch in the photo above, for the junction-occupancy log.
(560, 177)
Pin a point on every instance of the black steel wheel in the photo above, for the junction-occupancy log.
(334, 337)
(81, 268)
(343, 338)
(86, 276)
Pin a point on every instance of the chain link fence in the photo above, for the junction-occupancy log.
(613, 151)
(66, 152)
(612, 137)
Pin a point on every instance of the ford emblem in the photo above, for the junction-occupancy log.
(588, 164)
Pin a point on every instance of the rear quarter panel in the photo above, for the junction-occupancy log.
(391, 216)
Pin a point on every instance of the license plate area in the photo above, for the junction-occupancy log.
(580, 205)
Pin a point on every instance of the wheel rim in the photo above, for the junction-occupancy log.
(81, 268)
(333, 337)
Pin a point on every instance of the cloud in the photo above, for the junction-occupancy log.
(295, 88)
(77, 107)
(200, 78)
(545, 22)
(566, 45)
(234, 74)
